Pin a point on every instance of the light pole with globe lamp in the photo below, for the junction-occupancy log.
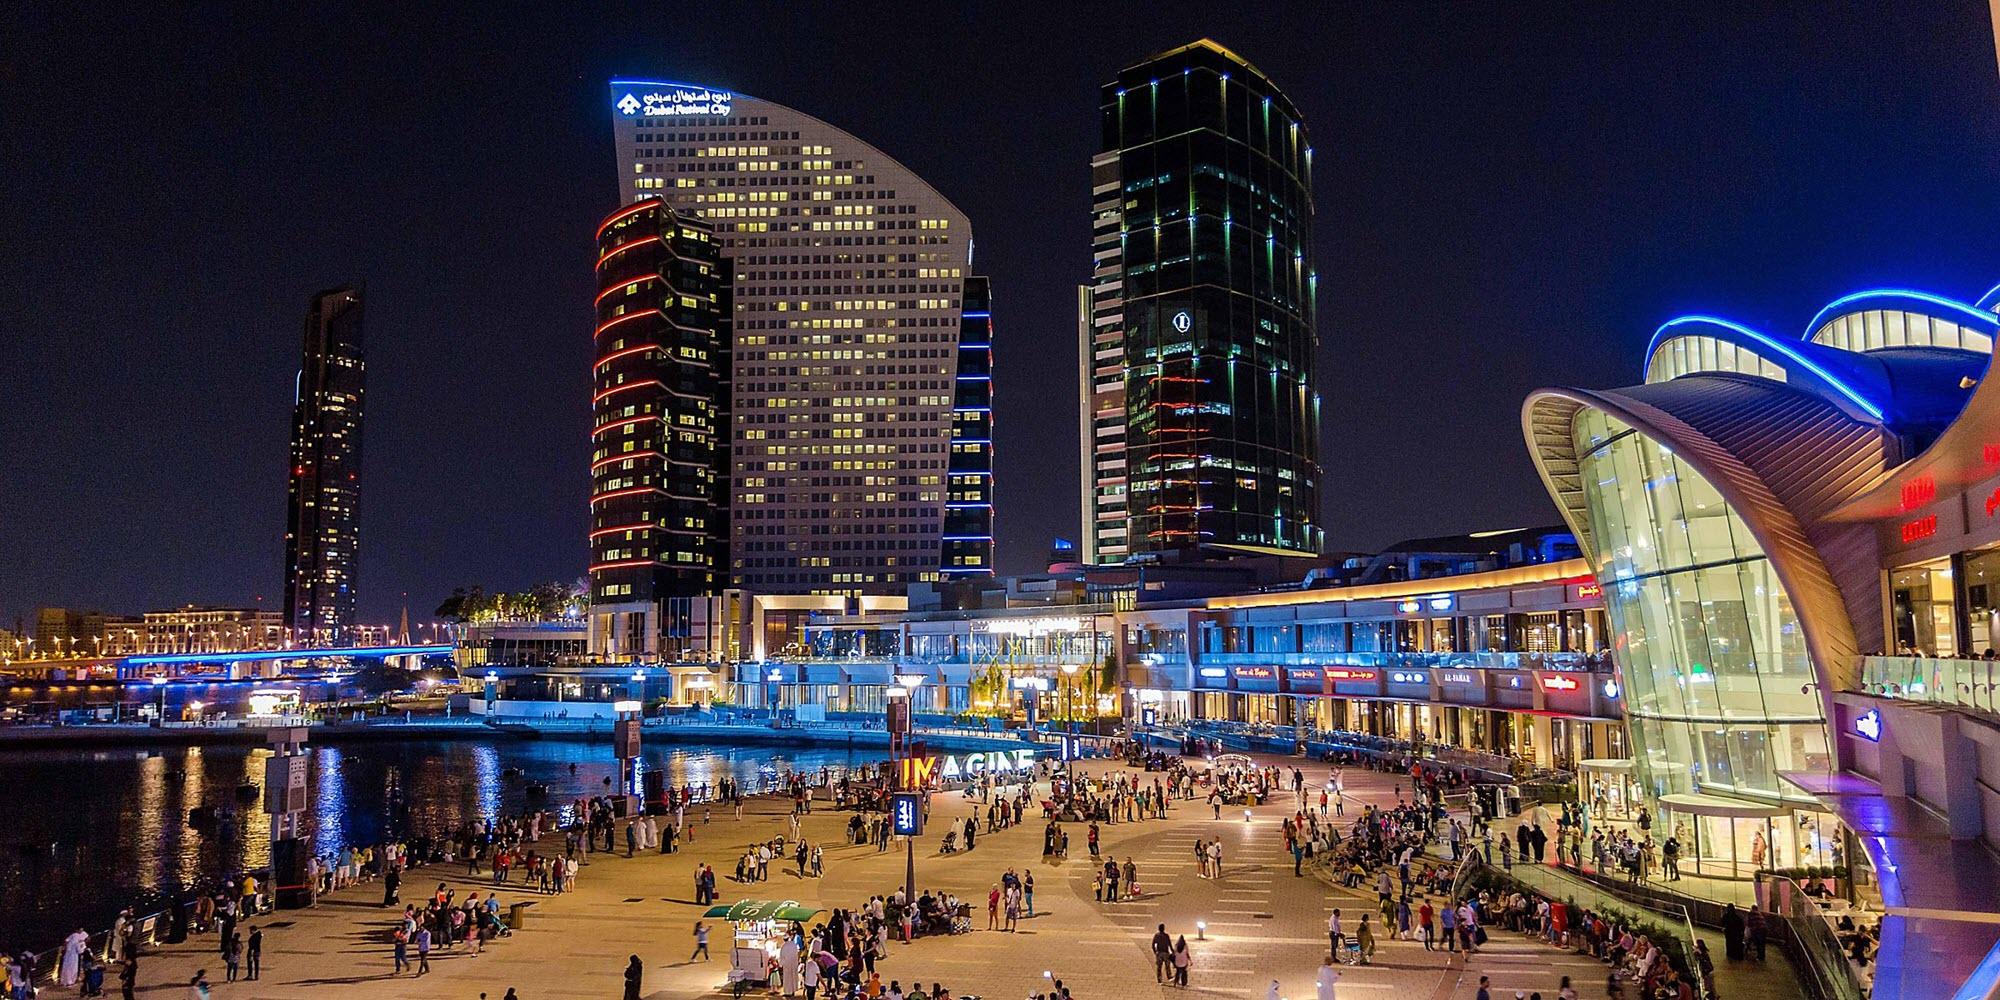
(901, 709)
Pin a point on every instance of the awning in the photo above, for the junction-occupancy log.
(1701, 804)
(1605, 764)
(744, 911)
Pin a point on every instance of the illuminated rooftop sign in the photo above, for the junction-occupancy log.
(640, 99)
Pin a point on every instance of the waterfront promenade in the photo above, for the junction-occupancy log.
(1263, 923)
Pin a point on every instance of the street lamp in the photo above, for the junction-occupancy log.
(905, 689)
(1069, 695)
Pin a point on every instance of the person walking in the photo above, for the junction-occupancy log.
(423, 950)
(635, 971)
(402, 951)
(232, 956)
(1163, 954)
(1028, 892)
(1182, 960)
(1323, 982)
(253, 954)
(128, 978)
(700, 942)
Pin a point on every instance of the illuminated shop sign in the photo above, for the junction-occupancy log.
(1310, 675)
(1611, 689)
(1028, 626)
(917, 772)
(1588, 591)
(1183, 321)
(673, 100)
(1214, 672)
(1349, 674)
(1993, 501)
(1254, 673)
(1458, 677)
(1407, 677)
(1919, 529)
(1435, 602)
(1557, 682)
(1868, 726)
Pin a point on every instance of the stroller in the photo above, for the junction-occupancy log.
(950, 845)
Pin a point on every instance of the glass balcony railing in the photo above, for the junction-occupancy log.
(1969, 683)
(1599, 663)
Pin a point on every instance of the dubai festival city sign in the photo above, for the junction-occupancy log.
(917, 772)
(672, 100)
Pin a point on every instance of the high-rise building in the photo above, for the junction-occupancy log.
(851, 391)
(1198, 348)
(660, 396)
(322, 534)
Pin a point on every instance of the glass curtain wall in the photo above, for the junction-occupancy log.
(1720, 693)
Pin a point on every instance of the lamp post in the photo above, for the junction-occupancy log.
(904, 693)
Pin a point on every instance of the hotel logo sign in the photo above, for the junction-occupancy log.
(674, 101)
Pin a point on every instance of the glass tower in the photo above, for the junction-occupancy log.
(322, 528)
(1202, 320)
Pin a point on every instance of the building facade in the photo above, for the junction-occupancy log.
(197, 629)
(659, 403)
(1767, 517)
(322, 525)
(1203, 427)
(851, 302)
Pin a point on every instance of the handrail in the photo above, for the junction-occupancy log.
(1819, 949)
(1685, 920)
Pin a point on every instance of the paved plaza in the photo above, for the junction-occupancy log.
(1263, 923)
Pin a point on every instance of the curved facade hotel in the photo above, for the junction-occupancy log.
(861, 365)
(1740, 509)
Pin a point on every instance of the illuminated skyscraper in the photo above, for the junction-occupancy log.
(322, 535)
(857, 415)
(659, 396)
(1197, 350)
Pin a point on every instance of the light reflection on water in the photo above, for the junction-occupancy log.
(94, 830)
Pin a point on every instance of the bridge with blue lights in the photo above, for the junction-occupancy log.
(143, 665)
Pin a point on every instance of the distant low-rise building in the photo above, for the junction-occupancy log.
(195, 628)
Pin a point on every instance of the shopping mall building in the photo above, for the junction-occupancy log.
(1798, 550)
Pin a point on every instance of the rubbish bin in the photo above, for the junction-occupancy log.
(517, 915)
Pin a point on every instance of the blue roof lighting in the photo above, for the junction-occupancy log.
(1991, 299)
(1961, 311)
(1788, 351)
(286, 654)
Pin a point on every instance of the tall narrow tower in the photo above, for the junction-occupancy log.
(658, 498)
(1199, 351)
(322, 536)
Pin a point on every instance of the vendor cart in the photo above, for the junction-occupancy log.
(760, 926)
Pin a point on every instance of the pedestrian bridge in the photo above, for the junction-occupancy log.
(178, 664)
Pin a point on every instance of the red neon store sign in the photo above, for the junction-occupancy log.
(1919, 529)
(1348, 674)
(1559, 683)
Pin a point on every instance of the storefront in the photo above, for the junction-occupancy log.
(1608, 789)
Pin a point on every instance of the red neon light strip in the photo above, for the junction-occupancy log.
(614, 494)
(637, 206)
(602, 462)
(607, 359)
(623, 562)
(642, 526)
(621, 423)
(618, 287)
(608, 324)
(621, 388)
(627, 245)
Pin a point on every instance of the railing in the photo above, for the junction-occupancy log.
(1806, 933)
(1970, 683)
(1419, 661)
(1677, 920)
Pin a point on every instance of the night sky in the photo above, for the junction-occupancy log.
(1510, 195)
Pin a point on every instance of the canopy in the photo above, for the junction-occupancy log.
(744, 911)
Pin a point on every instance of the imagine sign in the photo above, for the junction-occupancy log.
(672, 100)
(918, 771)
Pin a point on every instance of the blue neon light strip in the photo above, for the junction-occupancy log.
(965, 506)
(286, 654)
(1986, 320)
(968, 538)
(965, 346)
(1790, 353)
(976, 315)
(1990, 299)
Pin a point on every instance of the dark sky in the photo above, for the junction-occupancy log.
(1510, 195)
